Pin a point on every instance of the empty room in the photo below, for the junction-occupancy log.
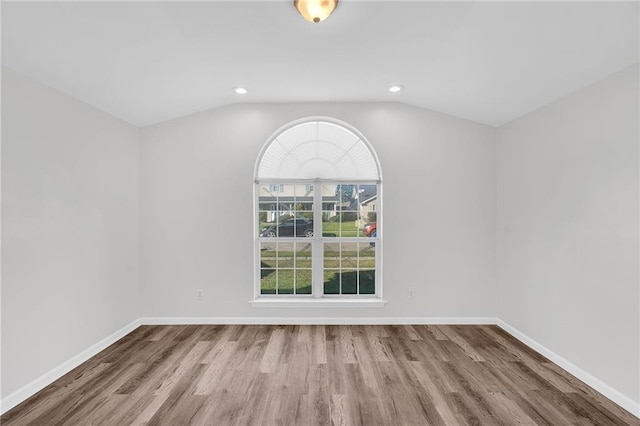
(320, 212)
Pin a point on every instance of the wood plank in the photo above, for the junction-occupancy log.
(318, 375)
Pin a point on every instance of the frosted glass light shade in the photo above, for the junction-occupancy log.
(315, 10)
(317, 150)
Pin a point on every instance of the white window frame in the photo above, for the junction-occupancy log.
(317, 298)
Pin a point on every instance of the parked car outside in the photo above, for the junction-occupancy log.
(294, 227)
(371, 230)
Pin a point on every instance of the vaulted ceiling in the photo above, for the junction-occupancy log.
(147, 62)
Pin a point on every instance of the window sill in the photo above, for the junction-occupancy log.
(292, 302)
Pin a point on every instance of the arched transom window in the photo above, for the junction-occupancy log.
(318, 214)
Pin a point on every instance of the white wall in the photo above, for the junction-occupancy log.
(567, 229)
(70, 228)
(197, 204)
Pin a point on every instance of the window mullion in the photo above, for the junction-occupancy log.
(317, 257)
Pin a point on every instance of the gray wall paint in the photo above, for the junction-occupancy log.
(70, 228)
(197, 205)
(567, 238)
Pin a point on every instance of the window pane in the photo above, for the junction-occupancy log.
(330, 226)
(303, 206)
(268, 255)
(268, 271)
(266, 214)
(331, 255)
(367, 280)
(268, 279)
(367, 256)
(269, 230)
(346, 202)
(350, 226)
(330, 219)
(349, 278)
(268, 211)
(285, 281)
(349, 255)
(303, 227)
(331, 281)
(367, 269)
(303, 281)
(303, 255)
(332, 268)
(367, 202)
(285, 255)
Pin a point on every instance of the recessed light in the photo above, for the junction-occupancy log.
(240, 90)
(396, 88)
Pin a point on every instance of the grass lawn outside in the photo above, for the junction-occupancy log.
(333, 279)
(288, 271)
(349, 268)
(341, 229)
(332, 229)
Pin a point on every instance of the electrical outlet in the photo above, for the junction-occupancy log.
(200, 294)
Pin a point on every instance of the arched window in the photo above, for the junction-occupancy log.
(318, 198)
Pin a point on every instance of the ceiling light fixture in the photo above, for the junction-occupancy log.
(396, 88)
(315, 10)
(240, 90)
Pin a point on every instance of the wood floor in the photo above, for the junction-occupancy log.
(318, 375)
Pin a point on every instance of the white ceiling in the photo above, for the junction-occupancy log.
(147, 62)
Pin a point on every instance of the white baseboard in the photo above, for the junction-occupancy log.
(614, 395)
(46, 379)
(318, 320)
